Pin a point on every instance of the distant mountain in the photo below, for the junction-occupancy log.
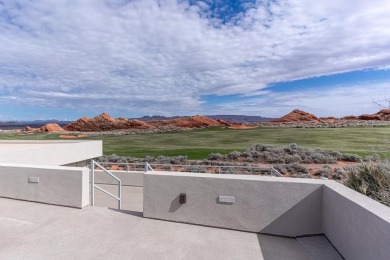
(7, 125)
(153, 118)
(231, 118)
(241, 118)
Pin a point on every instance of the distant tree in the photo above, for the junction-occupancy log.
(383, 102)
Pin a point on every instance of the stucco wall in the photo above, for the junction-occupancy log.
(49, 152)
(127, 178)
(279, 206)
(66, 186)
(356, 225)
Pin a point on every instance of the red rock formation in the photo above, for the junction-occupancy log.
(48, 128)
(369, 117)
(51, 128)
(349, 118)
(104, 122)
(29, 129)
(224, 122)
(187, 122)
(297, 116)
(329, 118)
(383, 115)
(194, 122)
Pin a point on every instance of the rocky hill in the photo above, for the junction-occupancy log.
(104, 122)
(297, 116)
(383, 115)
(187, 122)
(48, 128)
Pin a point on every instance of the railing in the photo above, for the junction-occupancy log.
(119, 197)
(275, 172)
(148, 167)
(218, 169)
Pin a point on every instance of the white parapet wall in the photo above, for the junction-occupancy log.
(279, 206)
(357, 226)
(49, 152)
(65, 186)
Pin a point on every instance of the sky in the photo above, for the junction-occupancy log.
(64, 59)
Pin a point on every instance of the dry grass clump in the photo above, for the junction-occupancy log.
(371, 179)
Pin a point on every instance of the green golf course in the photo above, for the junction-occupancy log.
(197, 144)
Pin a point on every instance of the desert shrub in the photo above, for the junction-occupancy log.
(234, 155)
(318, 157)
(373, 158)
(216, 157)
(296, 168)
(351, 158)
(281, 168)
(325, 171)
(113, 158)
(149, 159)
(196, 168)
(338, 174)
(262, 153)
(292, 158)
(249, 159)
(293, 169)
(371, 179)
(180, 159)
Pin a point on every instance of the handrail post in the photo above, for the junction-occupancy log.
(119, 198)
(93, 183)
(146, 166)
(120, 195)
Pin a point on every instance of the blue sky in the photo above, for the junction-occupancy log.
(65, 59)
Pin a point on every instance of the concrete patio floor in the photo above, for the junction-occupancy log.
(39, 231)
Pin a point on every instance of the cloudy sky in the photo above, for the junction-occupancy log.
(65, 59)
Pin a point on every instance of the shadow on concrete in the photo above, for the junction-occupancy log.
(175, 204)
(281, 248)
(320, 247)
(304, 218)
(129, 212)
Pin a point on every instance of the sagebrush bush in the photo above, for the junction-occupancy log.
(325, 171)
(262, 153)
(371, 179)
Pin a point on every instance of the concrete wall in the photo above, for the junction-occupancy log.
(49, 152)
(127, 178)
(279, 206)
(84, 163)
(356, 225)
(65, 186)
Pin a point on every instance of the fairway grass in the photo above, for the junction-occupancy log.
(197, 144)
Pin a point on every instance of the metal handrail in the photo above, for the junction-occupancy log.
(148, 166)
(119, 197)
(275, 172)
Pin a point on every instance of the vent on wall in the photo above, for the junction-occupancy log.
(33, 179)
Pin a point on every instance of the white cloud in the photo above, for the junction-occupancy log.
(159, 57)
(339, 101)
